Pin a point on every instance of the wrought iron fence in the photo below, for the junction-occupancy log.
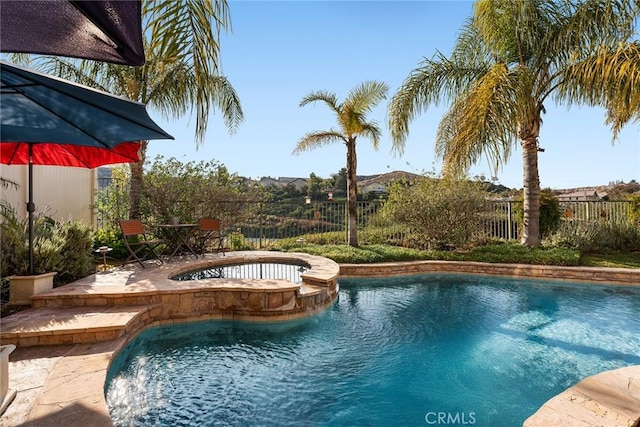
(614, 211)
(273, 221)
(260, 223)
(503, 224)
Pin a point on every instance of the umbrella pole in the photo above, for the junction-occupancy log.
(30, 209)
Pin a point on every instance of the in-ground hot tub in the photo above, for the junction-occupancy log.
(253, 285)
(254, 270)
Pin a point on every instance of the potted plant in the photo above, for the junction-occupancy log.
(59, 249)
(15, 258)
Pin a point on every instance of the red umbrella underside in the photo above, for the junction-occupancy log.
(55, 154)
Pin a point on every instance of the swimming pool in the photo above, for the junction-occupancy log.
(391, 351)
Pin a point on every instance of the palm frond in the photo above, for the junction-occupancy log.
(366, 96)
(610, 78)
(469, 48)
(318, 139)
(434, 81)
(327, 97)
(512, 29)
(481, 121)
(585, 25)
(351, 115)
(7, 184)
(181, 71)
(189, 31)
(79, 71)
(227, 100)
(169, 88)
(372, 131)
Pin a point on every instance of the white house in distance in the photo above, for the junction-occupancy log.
(372, 187)
(380, 183)
(581, 196)
(298, 183)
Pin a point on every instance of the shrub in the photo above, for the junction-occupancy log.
(47, 248)
(550, 214)
(14, 235)
(600, 236)
(237, 242)
(13, 245)
(441, 213)
(634, 212)
(61, 247)
(75, 256)
(194, 190)
(113, 239)
(378, 236)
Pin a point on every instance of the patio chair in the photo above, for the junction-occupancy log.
(210, 235)
(137, 242)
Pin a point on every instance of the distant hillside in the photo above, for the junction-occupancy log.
(613, 191)
(387, 178)
(498, 188)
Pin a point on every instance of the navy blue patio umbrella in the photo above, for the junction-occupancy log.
(45, 113)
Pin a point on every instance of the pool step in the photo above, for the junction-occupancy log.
(71, 325)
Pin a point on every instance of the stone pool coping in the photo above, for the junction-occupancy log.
(64, 385)
(595, 275)
(610, 398)
(132, 298)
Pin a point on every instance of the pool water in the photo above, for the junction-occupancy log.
(255, 270)
(414, 350)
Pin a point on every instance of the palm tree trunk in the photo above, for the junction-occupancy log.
(352, 193)
(531, 179)
(136, 183)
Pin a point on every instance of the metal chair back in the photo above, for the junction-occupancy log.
(211, 231)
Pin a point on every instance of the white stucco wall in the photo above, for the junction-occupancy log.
(62, 193)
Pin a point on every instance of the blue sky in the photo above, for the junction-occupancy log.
(280, 51)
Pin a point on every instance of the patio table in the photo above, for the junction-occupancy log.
(177, 236)
(103, 250)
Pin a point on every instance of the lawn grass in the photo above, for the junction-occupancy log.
(497, 253)
(507, 253)
(615, 260)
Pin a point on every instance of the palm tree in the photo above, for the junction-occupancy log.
(352, 122)
(511, 57)
(181, 71)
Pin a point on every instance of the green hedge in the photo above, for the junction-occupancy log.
(63, 247)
